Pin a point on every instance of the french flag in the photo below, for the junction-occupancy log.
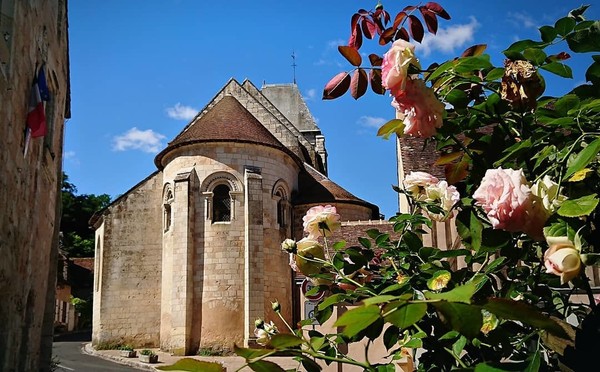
(36, 116)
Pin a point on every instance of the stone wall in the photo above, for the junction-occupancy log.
(237, 266)
(128, 268)
(33, 32)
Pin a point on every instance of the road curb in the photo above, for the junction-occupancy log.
(89, 349)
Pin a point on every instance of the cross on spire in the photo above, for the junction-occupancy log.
(294, 64)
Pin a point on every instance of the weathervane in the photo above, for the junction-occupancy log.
(294, 64)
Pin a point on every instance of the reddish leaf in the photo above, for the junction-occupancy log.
(337, 86)
(369, 28)
(430, 19)
(377, 21)
(416, 28)
(398, 20)
(474, 50)
(408, 8)
(363, 12)
(437, 9)
(359, 83)
(376, 86)
(456, 172)
(402, 34)
(387, 36)
(376, 60)
(354, 21)
(351, 54)
(561, 56)
(386, 17)
(356, 37)
(448, 158)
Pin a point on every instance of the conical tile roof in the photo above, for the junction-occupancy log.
(226, 121)
(317, 188)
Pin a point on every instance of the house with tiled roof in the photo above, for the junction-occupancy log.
(190, 256)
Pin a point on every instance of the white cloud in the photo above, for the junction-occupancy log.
(333, 44)
(70, 157)
(181, 112)
(448, 39)
(310, 94)
(522, 20)
(135, 139)
(371, 121)
(326, 57)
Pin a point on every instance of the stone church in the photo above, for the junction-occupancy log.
(190, 256)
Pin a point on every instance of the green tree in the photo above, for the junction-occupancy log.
(77, 235)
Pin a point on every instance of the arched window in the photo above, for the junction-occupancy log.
(167, 201)
(221, 211)
(280, 196)
(167, 217)
(220, 192)
(280, 208)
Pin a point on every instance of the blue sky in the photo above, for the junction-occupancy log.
(140, 69)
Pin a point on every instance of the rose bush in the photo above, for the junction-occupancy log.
(522, 176)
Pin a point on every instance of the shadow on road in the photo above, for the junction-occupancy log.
(84, 335)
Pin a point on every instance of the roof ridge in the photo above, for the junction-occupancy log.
(204, 110)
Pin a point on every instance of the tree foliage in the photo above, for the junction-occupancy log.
(77, 235)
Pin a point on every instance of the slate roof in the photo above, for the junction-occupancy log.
(226, 121)
(317, 188)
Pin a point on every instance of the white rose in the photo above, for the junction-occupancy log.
(549, 192)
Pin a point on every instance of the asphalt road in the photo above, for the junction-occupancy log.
(67, 352)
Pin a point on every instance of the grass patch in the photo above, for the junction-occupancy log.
(108, 346)
(207, 351)
(193, 365)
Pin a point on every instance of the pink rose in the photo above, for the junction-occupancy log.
(415, 182)
(419, 108)
(321, 221)
(394, 68)
(506, 198)
(562, 258)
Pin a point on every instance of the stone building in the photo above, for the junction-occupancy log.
(416, 155)
(190, 256)
(33, 37)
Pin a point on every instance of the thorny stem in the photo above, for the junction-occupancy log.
(256, 359)
(588, 290)
(285, 322)
(525, 339)
(462, 146)
(460, 362)
(327, 256)
(339, 272)
(367, 353)
(567, 155)
(487, 257)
